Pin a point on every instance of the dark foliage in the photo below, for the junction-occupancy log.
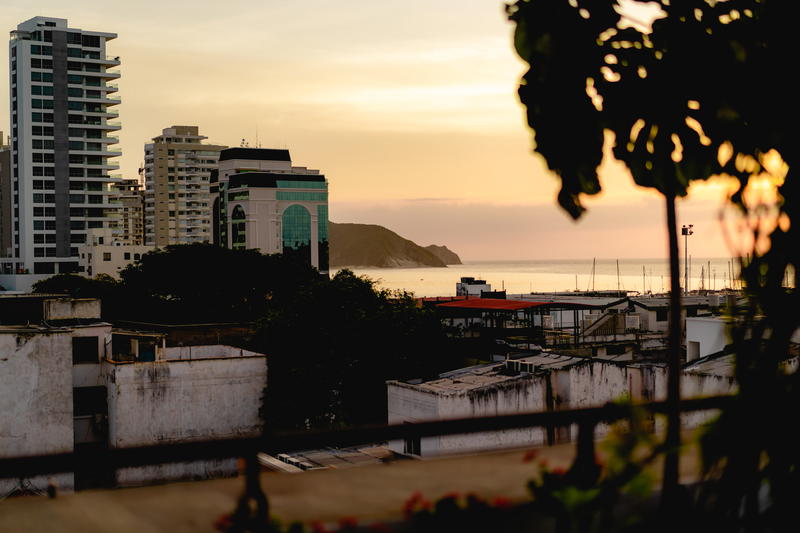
(704, 93)
(332, 343)
(208, 283)
(336, 342)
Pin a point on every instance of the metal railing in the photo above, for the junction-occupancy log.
(280, 442)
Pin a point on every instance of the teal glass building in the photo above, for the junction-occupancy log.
(261, 201)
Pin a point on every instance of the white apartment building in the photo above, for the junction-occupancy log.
(177, 170)
(61, 120)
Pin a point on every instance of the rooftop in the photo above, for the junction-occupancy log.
(271, 179)
(599, 302)
(475, 377)
(259, 154)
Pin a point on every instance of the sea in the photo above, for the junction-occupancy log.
(517, 277)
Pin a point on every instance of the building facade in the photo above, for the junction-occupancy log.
(177, 169)
(263, 202)
(6, 209)
(70, 383)
(544, 382)
(61, 117)
(131, 212)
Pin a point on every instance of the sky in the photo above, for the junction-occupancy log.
(409, 108)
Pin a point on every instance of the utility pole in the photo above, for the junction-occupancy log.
(686, 231)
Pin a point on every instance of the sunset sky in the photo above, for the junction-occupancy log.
(409, 108)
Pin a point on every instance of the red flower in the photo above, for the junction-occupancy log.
(318, 527)
(558, 471)
(410, 505)
(347, 521)
(223, 522)
(501, 502)
(529, 456)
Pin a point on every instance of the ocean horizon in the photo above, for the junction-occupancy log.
(519, 276)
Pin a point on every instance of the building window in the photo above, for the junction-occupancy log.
(106, 256)
(412, 445)
(296, 222)
(662, 315)
(84, 350)
(88, 401)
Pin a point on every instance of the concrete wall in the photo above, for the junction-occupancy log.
(21, 282)
(35, 399)
(409, 404)
(589, 384)
(710, 334)
(522, 395)
(179, 401)
(71, 308)
(205, 352)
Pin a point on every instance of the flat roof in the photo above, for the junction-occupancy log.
(496, 304)
(270, 179)
(259, 154)
(656, 303)
(491, 304)
(476, 377)
(599, 302)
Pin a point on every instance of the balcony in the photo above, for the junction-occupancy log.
(108, 61)
(101, 74)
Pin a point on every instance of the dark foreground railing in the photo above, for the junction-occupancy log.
(586, 419)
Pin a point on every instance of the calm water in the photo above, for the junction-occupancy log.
(546, 276)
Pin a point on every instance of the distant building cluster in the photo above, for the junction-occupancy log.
(63, 209)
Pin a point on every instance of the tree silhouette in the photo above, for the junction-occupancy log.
(700, 92)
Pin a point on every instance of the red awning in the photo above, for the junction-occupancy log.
(492, 304)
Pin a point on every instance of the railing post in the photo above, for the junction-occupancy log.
(585, 470)
(245, 517)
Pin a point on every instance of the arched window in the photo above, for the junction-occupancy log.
(215, 221)
(238, 228)
(296, 224)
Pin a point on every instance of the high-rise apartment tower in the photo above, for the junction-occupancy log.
(61, 118)
(177, 167)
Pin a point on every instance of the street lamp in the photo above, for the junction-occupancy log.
(686, 231)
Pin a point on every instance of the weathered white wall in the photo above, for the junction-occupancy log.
(710, 333)
(406, 403)
(586, 384)
(526, 394)
(179, 401)
(35, 399)
(71, 308)
(205, 352)
(595, 383)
